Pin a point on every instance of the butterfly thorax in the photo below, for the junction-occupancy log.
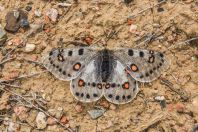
(104, 64)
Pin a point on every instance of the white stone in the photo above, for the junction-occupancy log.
(30, 47)
(37, 13)
(133, 28)
(41, 122)
(52, 14)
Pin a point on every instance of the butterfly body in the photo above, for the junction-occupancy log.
(104, 64)
(95, 73)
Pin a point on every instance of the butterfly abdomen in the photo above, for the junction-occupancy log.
(105, 65)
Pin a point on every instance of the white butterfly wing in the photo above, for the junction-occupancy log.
(67, 64)
(121, 88)
(142, 65)
(86, 87)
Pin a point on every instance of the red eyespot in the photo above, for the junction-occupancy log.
(77, 66)
(134, 68)
(81, 83)
(125, 85)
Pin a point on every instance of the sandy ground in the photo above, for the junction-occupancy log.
(178, 85)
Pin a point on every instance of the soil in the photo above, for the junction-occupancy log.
(86, 21)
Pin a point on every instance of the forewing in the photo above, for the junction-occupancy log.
(121, 88)
(67, 64)
(85, 86)
(142, 65)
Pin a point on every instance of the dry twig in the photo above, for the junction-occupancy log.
(170, 85)
(133, 16)
(36, 107)
(154, 120)
(186, 42)
(23, 76)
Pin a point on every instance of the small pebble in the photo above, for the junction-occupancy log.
(104, 104)
(112, 107)
(41, 120)
(64, 120)
(30, 47)
(24, 23)
(130, 21)
(128, 1)
(37, 13)
(133, 28)
(13, 127)
(156, 25)
(28, 8)
(194, 58)
(180, 107)
(96, 113)
(51, 121)
(15, 41)
(59, 112)
(52, 14)
(160, 9)
(64, 4)
(88, 40)
(6, 121)
(195, 103)
(13, 20)
(79, 108)
(159, 98)
(2, 8)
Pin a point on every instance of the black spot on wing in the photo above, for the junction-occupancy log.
(141, 76)
(113, 85)
(161, 55)
(117, 97)
(95, 95)
(129, 97)
(70, 53)
(151, 71)
(51, 53)
(93, 84)
(80, 51)
(110, 95)
(64, 73)
(69, 75)
(147, 74)
(130, 52)
(87, 96)
(77, 94)
(141, 54)
(123, 97)
(134, 89)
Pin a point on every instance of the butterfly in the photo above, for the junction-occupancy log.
(97, 72)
